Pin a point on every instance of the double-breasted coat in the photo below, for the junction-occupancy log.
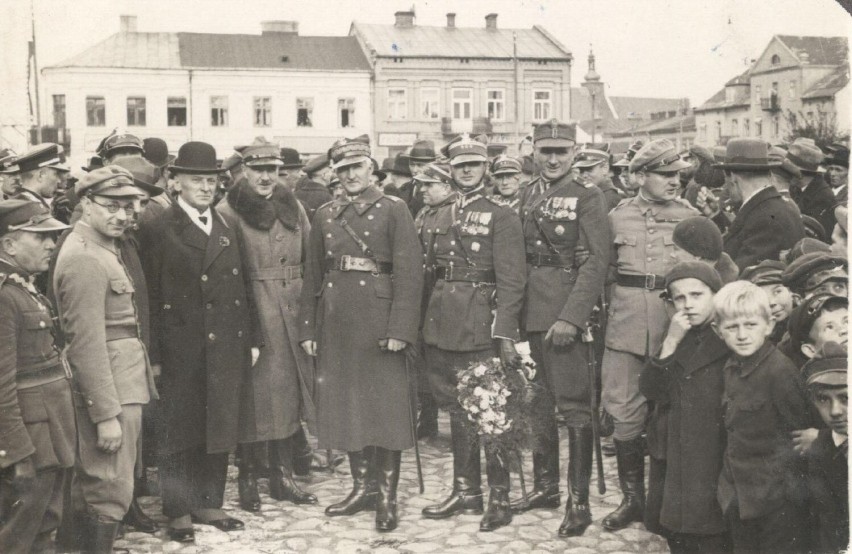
(362, 392)
(273, 237)
(201, 327)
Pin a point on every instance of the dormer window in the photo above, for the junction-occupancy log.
(776, 59)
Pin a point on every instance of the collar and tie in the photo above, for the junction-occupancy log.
(203, 219)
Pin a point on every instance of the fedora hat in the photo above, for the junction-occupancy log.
(196, 157)
(422, 151)
(806, 155)
(400, 166)
(747, 154)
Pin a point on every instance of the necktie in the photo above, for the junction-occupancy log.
(203, 219)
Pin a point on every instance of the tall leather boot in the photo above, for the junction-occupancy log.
(246, 459)
(578, 516)
(427, 420)
(100, 535)
(631, 475)
(281, 484)
(72, 530)
(387, 471)
(364, 487)
(498, 513)
(135, 517)
(545, 493)
(466, 497)
(302, 453)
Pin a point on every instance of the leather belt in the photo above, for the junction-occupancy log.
(39, 377)
(648, 281)
(285, 273)
(564, 261)
(352, 263)
(468, 274)
(121, 332)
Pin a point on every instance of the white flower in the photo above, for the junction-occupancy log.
(487, 428)
(473, 409)
(501, 400)
(498, 431)
(506, 393)
(478, 391)
(479, 370)
(484, 404)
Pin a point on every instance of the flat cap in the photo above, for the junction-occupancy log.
(349, 152)
(465, 149)
(839, 156)
(806, 245)
(829, 367)
(316, 163)
(809, 271)
(702, 152)
(658, 156)
(435, 173)
(702, 271)
(767, 272)
(26, 215)
(46, 154)
(110, 180)
(554, 134)
(803, 316)
(505, 165)
(119, 141)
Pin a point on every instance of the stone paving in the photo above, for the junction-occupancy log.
(282, 527)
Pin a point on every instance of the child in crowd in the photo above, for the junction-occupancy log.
(818, 320)
(698, 238)
(767, 276)
(817, 273)
(687, 378)
(764, 401)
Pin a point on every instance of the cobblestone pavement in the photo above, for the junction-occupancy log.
(283, 527)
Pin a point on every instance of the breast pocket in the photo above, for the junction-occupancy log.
(36, 420)
(669, 249)
(626, 246)
(120, 302)
(36, 323)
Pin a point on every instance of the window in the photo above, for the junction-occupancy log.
(429, 98)
(59, 110)
(262, 111)
(541, 105)
(346, 111)
(718, 131)
(776, 59)
(757, 94)
(176, 111)
(776, 126)
(397, 104)
(746, 128)
(735, 127)
(792, 90)
(95, 111)
(462, 103)
(496, 104)
(702, 132)
(758, 127)
(304, 112)
(136, 111)
(219, 111)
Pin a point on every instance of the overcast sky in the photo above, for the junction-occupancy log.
(644, 48)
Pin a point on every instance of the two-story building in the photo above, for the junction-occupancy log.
(304, 92)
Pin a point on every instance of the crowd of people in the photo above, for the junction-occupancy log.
(161, 311)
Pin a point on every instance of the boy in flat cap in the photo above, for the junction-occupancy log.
(36, 407)
(819, 319)
(817, 273)
(828, 457)
(767, 275)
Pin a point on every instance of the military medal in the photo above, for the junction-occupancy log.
(560, 230)
(572, 215)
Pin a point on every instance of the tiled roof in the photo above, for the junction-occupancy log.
(643, 107)
(830, 84)
(741, 79)
(718, 102)
(222, 51)
(671, 124)
(458, 42)
(820, 50)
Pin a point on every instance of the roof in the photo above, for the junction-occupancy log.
(820, 50)
(621, 107)
(829, 85)
(222, 51)
(719, 101)
(743, 78)
(458, 42)
(670, 125)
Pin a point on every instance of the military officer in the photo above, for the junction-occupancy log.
(360, 309)
(112, 375)
(36, 406)
(506, 174)
(9, 183)
(642, 253)
(119, 145)
(560, 213)
(41, 171)
(593, 166)
(474, 245)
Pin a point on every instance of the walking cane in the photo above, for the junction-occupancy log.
(596, 436)
(409, 353)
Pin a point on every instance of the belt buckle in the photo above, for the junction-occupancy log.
(448, 273)
(650, 281)
(345, 262)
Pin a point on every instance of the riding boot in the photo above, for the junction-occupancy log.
(100, 535)
(466, 497)
(302, 453)
(578, 516)
(427, 420)
(281, 484)
(545, 493)
(137, 518)
(246, 460)
(387, 471)
(498, 513)
(72, 530)
(630, 456)
(363, 494)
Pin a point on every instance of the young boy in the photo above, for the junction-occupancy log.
(767, 276)
(763, 403)
(818, 320)
(816, 273)
(687, 377)
(828, 478)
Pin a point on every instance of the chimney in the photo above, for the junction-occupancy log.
(128, 23)
(451, 21)
(284, 27)
(404, 19)
(491, 21)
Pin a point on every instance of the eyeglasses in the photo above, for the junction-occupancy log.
(113, 207)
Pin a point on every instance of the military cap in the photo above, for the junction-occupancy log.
(261, 152)
(290, 158)
(231, 161)
(157, 152)
(145, 174)
(400, 166)
(334, 183)
(464, 148)
(315, 164)
(46, 154)
(110, 180)
(589, 157)
(702, 271)
(94, 163)
(702, 152)
(829, 367)
(767, 272)
(349, 152)
(630, 154)
(435, 173)
(803, 316)
(806, 155)
(422, 151)
(494, 150)
(7, 158)
(505, 165)
(809, 271)
(839, 156)
(554, 134)
(116, 141)
(659, 156)
(26, 215)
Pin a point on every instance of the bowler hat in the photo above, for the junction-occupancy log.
(422, 151)
(291, 159)
(18, 214)
(157, 152)
(196, 157)
(806, 155)
(747, 154)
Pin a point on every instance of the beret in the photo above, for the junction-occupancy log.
(702, 271)
(699, 236)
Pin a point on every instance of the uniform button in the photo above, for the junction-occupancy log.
(362, 283)
(236, 302)
(371, 217)
(204, 278)
(437, 230)
(209, 306)
(2, 453)
(239, 333)
(328, 220)
(650, 259)
(330, 253)
(428, 230)
(42, 324)
(452, 253)
(328, 236)
(538, 243)
(452, 243)
(211, 336)
(451, 262)
(366, 233)
(236, 271)
(89, 403)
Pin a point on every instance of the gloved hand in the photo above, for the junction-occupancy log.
(508, 354)
(562, 333)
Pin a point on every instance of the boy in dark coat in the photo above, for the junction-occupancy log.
(767, 276)
(687, 378)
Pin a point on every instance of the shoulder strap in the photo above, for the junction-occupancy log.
(351, 232)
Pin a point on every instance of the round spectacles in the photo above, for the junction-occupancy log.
(113, 207)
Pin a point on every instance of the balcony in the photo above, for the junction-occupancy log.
(475, 126)
(770, 104)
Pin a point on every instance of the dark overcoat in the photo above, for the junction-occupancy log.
(362, 392)
(201, 329)
(817, 201)
(828, 483)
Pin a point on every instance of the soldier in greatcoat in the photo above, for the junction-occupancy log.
(203, 340)
(359, 312)
(36, 407)
(272, 229)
